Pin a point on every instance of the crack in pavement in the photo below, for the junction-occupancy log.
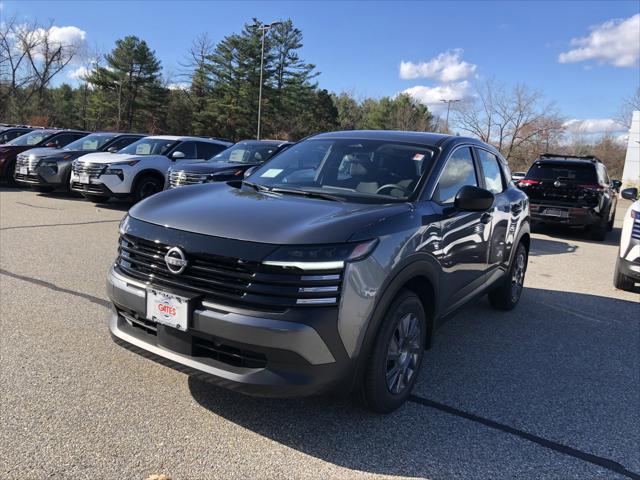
(59, 224)
(38, 206)
(603, 462)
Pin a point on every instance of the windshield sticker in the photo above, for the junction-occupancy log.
(272, 172)
(418, 157)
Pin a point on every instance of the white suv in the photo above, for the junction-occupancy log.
(627, 270)
(139, 169)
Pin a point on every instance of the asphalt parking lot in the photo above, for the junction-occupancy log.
(550, 390)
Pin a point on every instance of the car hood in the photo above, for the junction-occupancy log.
(14, 148)
(221, 210)
(44, 151)
(210, 167)
(107, 157)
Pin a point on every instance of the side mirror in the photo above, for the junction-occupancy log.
(616, 184)
(630, 194)
(177, 155)
(473, 199)
(112, 149)
(249, 171)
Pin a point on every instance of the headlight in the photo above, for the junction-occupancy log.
(114, 171)
(123, 225)
(322, 257)
(51, 163)
(116, 168)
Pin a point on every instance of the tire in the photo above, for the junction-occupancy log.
(96, 198)
(8, 173)
(398, 347)
(620, 280)
(598, 232)
(507, 295)
(147, 186)
(44, 189)
(611, 222)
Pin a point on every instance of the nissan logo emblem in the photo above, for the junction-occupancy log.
(175, 260)
(557, 184)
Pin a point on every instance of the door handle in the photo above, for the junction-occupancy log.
(485, 218)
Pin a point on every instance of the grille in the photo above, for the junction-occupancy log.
(180, 177)
(230, 280)
(635, 230)
(23, 160)
(93, 169)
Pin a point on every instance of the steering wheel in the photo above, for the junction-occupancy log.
(391, 186)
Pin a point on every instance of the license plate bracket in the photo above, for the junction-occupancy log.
(556, 212)
(167, 308)
(23, 171)
(83, 178)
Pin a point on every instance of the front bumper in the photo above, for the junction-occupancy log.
(576, 216)
(281, 357)
(102, 185)
(45, 176)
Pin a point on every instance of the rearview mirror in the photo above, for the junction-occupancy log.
(630, 194)
(177, 155)
(473, 199)
(249, 171)
(51, 144)
(616, 184)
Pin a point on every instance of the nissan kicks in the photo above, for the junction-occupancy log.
(329, 267)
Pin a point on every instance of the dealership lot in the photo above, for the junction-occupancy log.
(551, 389)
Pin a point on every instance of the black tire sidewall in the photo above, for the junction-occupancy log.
(376, 393)
(137, 193)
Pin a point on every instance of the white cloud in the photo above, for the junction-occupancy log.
(68, 36)
(446, 67)
(593, 126)
(622, 139)
(616, 42)
(433, 96)
(78, 74)
(179, 86)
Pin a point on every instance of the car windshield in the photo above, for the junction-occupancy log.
(359, 169)
(569, 171)
(90, 142)
(246, 153)
(149, 146)
(32, 138)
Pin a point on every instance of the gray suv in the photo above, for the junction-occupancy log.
(330, 267)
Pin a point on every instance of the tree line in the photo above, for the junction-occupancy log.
(215, 93)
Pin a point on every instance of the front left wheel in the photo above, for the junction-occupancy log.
(147, 186)
(396, 356)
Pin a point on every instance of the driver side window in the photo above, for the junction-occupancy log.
(458, 172)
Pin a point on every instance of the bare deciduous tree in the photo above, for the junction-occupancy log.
(629, 104)
(512, 120)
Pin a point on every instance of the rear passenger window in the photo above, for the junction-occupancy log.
(120, 143)
(458, 172)
(208, 150)
(491, 171)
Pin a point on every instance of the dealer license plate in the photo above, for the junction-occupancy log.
(554, 212)
(24, 171)
(84, 178)
(168, 309)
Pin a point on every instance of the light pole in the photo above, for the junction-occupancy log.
(264, 29)
(448, 102)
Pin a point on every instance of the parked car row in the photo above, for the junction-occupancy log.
(293, 269)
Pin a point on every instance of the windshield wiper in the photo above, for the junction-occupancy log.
(307, 193)
(256, 186)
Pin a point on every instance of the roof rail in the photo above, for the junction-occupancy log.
(591, 158)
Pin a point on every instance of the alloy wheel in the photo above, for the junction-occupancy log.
(403, 353)
(517, 276)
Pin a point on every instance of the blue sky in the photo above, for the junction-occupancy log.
(358, 46)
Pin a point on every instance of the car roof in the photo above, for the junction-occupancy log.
(263, 142)
(564, 161)
(178, 138)
(425, 138)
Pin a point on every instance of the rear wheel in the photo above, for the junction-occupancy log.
(147, 186)
(620, 280)
(395, 359)
(507, 295)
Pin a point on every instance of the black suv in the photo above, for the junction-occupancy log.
(573, 191)
(9, 132)
(329, 267)
(46, 169)
(226, 165)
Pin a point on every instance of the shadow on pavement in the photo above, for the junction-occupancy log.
(562, 366)
(542, 246)
(568, 233)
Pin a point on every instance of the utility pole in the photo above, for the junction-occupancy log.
(264, 29)
(448, 102)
